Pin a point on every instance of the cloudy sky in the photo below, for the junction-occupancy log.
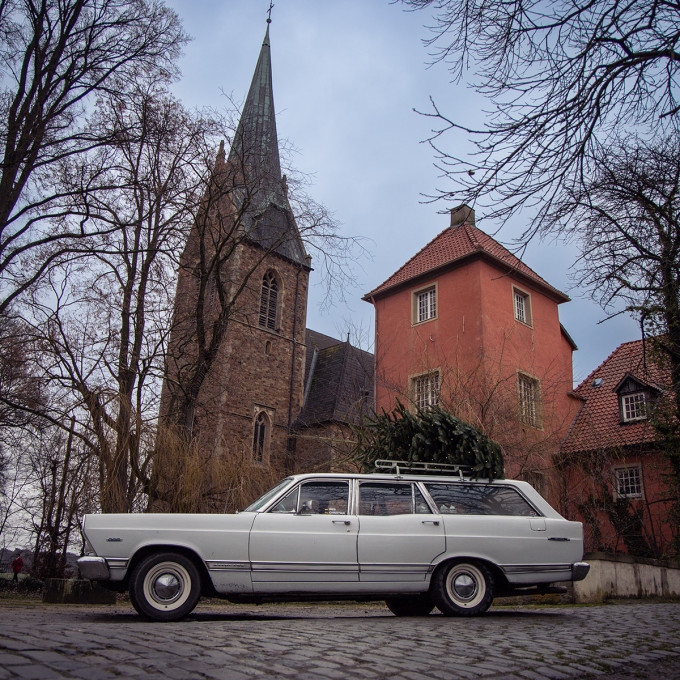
(348, 75)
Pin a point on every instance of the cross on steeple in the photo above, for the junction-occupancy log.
(269, 11)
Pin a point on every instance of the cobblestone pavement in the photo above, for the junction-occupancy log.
(230, 642)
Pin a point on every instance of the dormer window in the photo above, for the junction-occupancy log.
(635, 399)
(634, 406)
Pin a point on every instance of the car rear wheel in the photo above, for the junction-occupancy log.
(410, 605)
(463, 588)
(165, 586)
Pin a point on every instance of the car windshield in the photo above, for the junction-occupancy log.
(263, 500)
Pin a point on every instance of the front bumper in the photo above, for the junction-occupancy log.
(94, 568)
(579, 571)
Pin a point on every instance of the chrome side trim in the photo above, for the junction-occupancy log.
(395, 568)
(222, 565)
(304, 568)
(534, 568)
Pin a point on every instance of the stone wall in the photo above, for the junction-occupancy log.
(620, 576)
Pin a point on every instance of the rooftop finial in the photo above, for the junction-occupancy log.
(269, 11)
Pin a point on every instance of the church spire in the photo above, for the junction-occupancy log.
(256, 144)
(255, 152)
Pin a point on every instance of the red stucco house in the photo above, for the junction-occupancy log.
(615, 470)
(467, 325)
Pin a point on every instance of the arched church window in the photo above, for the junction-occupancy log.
(260, 436)
(269, 300)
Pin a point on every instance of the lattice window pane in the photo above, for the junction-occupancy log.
(520, 307)
(426, 390)
(528, 400)
(629, 482)
(427, 305)
(634, 406)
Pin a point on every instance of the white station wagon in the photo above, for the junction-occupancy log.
(416, 541)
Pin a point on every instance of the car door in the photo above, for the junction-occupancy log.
(307, 542)
(399, 537)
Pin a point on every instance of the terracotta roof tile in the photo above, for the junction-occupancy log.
(457, 243)
(597, 424)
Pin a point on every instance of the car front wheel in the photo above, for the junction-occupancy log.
(410, 605)
(165, 586)
(463, 588)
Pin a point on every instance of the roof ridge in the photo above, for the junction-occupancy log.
(413, 257)
(470, 231)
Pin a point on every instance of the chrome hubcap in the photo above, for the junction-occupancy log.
(464, 586)
(166, 587)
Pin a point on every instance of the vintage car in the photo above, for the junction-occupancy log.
(414, 540)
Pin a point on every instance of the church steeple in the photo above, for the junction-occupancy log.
(255, 142)
(255, 153)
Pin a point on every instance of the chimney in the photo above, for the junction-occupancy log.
(463, 213)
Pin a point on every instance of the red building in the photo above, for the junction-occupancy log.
(616, 472)
(467, 325)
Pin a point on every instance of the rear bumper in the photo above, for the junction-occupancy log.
(94, 568)
(579, 571)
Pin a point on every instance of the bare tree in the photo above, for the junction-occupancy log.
(101, 316)
(55, 55)
(63, 470)
(626, 220)
(562, 75)
(18, 382)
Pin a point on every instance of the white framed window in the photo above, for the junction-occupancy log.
(425, 390)
(424, 305)
(522, 304)
(529, 392)
(634, 406)
(628, 482)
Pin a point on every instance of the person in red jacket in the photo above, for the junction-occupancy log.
(17, 565)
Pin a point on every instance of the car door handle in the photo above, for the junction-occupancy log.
(558, 538)
(341, 521)
(431, 521)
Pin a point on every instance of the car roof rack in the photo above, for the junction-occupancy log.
(399, 466)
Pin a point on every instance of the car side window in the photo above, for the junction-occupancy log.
(422, 508)
(324, 498)
(479, 499)
(376, 498)
(288, 503)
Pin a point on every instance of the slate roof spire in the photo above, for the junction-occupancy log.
(255, 142)
(254, 154)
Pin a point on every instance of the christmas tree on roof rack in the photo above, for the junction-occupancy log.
(422, 440)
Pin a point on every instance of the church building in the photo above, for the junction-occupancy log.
(245, 379)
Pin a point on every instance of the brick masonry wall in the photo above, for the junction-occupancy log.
(254, 365)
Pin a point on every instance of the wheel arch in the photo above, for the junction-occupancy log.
(207, 588)
(497, 573)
